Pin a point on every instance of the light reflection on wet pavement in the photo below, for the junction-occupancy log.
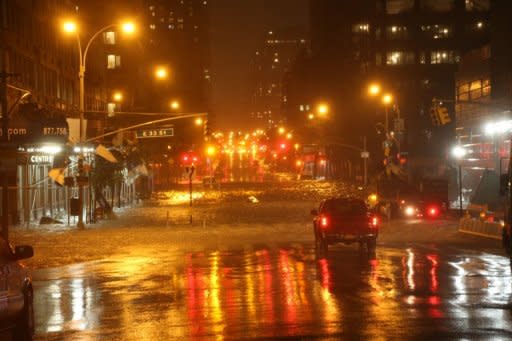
(249, 271)
(272, 292)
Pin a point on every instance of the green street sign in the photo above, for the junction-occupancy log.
(153, 133)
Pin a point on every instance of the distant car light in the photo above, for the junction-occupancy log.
(433, 211)
(375, 222)
(324, 221)
(410, 211)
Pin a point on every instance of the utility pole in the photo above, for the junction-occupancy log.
(5, 146)
(365, 165)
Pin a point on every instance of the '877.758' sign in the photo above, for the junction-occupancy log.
(152, 133)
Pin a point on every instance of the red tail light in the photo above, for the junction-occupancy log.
(324, 221)
(374, 222)
(433, 211)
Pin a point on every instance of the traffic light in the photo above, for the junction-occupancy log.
(444, 116)
(434, 115)
(206, 130)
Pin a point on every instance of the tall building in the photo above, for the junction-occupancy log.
(484, 110)
(44, 69)
(178, 37)
(271, 63)
(410, 47)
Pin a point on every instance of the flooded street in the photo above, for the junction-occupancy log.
(277, 292)
(212, 280)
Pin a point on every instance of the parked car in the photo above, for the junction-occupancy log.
(16, 295)
(345, 220)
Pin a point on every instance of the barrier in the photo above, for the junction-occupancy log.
(480, 228)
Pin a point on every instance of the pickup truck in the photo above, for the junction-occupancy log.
(344, 220)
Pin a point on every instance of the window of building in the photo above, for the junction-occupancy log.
(474, 90)
(423, 57)
(378, 59)
(437, 31)
(463, 92)
(109, 38)
(478, 5)
(399, 58)
(361, 28)
(444, 57)
(111, 108)
(113, 61)
(399, 6)
(437, 5)
(397, 32)
(486, 87)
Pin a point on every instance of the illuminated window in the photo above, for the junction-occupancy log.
(478, 5)
(436, 31)
(463, 92)
(444, 57)
(399, 6)
(437, 5)
(397, 32)
(474, 90)
(113, 61)
(109, 38)
(111, 108)
(423, 57)
(399, 58)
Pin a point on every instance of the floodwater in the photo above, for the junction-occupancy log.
(246, 269)
(269, 293)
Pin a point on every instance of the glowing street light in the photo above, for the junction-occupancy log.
(161, 73)
(289, 136)
(311, 117)
(69, 27)
(281, 130)
(211, 150)
(117, 96)
(387, 99)
(322, 109)
(459, 152)
(199, 121)
(175, 105)
(128, 27)
(374, 89)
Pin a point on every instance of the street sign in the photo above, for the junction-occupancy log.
(365, 155)
(153, 133)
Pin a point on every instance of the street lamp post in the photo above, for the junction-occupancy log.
(71, 27)
(387, 99)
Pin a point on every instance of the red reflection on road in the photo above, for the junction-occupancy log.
(434, 282)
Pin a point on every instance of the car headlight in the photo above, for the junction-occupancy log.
(410, 211)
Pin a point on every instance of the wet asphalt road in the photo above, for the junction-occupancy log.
(270, 293)
(265, 282)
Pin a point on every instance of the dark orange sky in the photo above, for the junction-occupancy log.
(237, 28)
